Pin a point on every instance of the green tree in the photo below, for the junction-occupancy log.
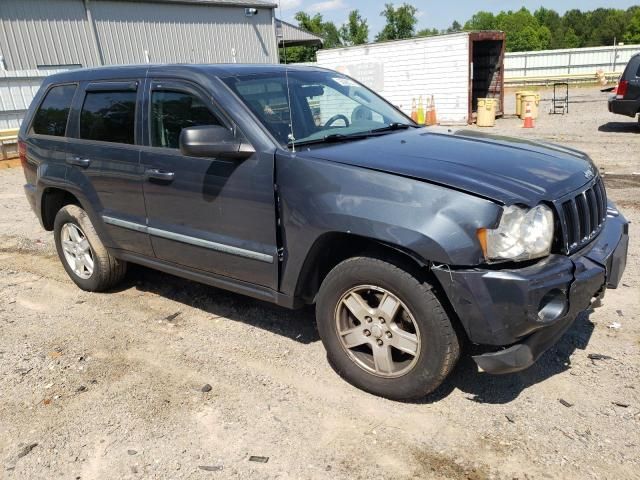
(577, 22)
(523, 31)
(553, 21)
(316, 25)
(632, 34)
(571, 40)
(356, 30)
(331, 35)
(455, 27)
(428, 32)
(606, 25)
(545, 28)
(481, 21)
(401, 22)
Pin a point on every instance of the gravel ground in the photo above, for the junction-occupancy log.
(589, 126)
(114, 385)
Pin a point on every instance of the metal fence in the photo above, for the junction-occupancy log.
(568, 62)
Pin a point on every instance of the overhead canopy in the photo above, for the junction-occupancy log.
(293, 36)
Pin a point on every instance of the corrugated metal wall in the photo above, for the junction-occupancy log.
(17, 89)
(182, 33)
(46, 33)
(37, 33)
(568, 61)
(54, 32)
(403, 70)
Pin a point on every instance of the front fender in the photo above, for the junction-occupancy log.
(432, 222)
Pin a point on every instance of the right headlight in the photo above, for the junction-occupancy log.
(522, 234)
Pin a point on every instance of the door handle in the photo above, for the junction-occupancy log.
(155, 174)
(79, 162)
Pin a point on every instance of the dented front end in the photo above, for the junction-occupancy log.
(519, 312)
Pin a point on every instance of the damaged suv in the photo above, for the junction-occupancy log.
(298, 185)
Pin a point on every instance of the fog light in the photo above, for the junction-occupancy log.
(553, 306)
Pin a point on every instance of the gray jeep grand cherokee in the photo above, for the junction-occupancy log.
(300, 186)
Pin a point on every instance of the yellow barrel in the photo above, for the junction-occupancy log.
(534, 100)
(486, 112)
(519, 103)
(519, 95)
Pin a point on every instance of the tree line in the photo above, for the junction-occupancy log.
(542, 29)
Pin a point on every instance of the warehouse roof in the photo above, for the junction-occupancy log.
(235, 3)
(293, 36)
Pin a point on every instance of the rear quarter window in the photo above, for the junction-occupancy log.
(109, 116)
(53, 113)
(632, 69)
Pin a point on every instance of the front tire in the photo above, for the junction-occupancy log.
(384, 330)
(84, 257)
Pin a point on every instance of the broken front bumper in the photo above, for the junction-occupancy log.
(524, 311)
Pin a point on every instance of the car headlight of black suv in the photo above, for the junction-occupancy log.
(522, 234)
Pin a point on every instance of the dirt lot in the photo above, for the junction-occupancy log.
(110, 385)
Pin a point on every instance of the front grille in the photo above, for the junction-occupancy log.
(583, 215)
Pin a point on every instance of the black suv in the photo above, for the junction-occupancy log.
(626, 100)
(300, 186)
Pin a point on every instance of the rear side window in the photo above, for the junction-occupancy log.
(171, 111)
(51, 117)
(109, 116)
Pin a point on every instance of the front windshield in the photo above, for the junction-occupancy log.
(322, 103)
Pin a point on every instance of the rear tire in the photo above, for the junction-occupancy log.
(393, 309)
(83, 255)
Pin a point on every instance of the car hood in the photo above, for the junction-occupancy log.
(506, 170)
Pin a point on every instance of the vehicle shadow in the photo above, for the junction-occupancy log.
(298, 325)
(499, 389)
(620, 127)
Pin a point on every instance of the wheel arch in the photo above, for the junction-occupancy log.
(52, 200)
(334, 247)
(331, 248)
(54, 196)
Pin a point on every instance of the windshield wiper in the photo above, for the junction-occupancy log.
(333, 137)
(394, 126)
(340, 137)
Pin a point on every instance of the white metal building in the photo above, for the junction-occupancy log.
(457, 69)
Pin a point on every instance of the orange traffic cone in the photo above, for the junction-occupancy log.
(528, 118)
(429, 114)
(414, 111)
(434, 119)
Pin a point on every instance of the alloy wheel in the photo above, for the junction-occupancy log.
(77, 251)
(377, 331)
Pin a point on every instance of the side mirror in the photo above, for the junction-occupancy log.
(213, 141)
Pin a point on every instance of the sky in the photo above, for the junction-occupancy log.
(431, 13)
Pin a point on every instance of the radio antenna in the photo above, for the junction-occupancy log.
(292, 138)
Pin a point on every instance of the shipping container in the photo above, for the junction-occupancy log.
(456, 69)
